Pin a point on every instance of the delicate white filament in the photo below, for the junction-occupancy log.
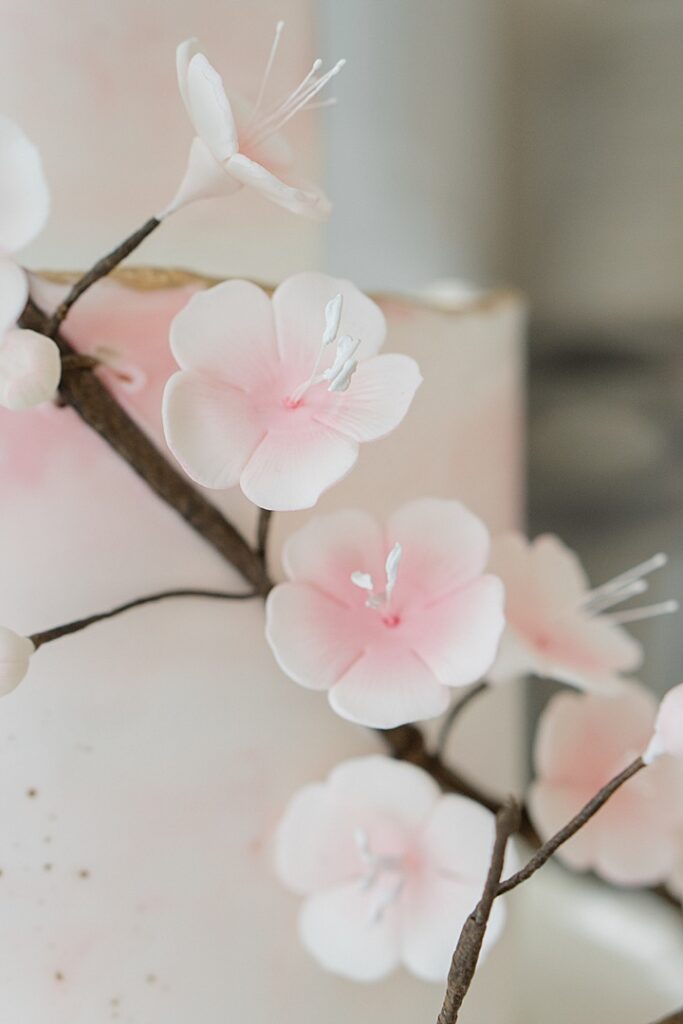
(600, 604)
(376, 864)
(269, 66)
(363, 580)
(303, 101)
(625, 579)
(333, 311)
(344, 365)
(648, 612)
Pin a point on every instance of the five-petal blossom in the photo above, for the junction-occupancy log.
(236, 145)
(556, 625)
(29, 362)
(583, 741)
(264, 398)
(389, 866)
(387, 619)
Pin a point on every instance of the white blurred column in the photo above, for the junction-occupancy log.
(417, 147)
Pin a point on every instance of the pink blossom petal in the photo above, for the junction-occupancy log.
(339, 929)
(30, 369)
(299, 304)
(434, 912)
(588, 653)
(636, 842)
(380, 394)
(209, 108)
(458, 839)
(558, 576)
(204, 178)
(386, 687)
(227, 333)
(602, 728)
(444, 546)
(25, 197)
(668, 734)
(310, 635)
(401, 791)
(329, 548)
(551, 806)
(308, 202)
(291, 468)
(210, 428)
(315, 846)
(13, 292)
(457, 636)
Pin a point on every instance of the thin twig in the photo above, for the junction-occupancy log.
(571, 828)
(99, 409)
(468, 949)
(38, 639)
(453, 714)
(101, 269)
(265, 515)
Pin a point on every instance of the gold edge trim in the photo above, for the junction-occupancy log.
(155, 278)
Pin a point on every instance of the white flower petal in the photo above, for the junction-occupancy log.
(24, 197)
(204, 178)
(13, 292)
(210, 109)
(184, 54)
(30, 369)
(338, 930)
(308, 202)
(210, 429)
(377, 399)
(15, 653)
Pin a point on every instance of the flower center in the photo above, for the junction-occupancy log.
(380, 600)
(628, 584)
(263, 125)
(338, 375)
(384, 873)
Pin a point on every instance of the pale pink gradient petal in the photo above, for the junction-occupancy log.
(551, 806)
(458, 635)
(209, 108)
(30, 369)
(291, 467)
(388, 686)
(633, 845)
(311, 635)
(315, 844)
(581, 740)
(588, 653)
(458, 838)
(227, 333)
(25, 201)
(434, 912)
(210, 428)
(299, 305)
(444, 545)
(306, 201)
(204, 178)
(381, 391)
(398, 790)
(329, 548)
(340, 931)
(13, 292)
(558, 577)
(668, 734)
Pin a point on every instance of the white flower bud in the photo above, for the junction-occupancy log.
(15, 653)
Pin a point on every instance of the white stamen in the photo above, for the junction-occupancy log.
(333, 311)
(278, 119)
(648, 612)
(269, 66)
(386, 898)
(346, 348)
(343, 379)
(363, 580)
(626, 578)
(391, 568)
(600, 604)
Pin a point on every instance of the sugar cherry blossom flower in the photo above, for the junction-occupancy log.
(556, 626)
(668, 732)
(387, 620)
(29, 362)
(15, 653)
(267, 399)
(389, 867)
(237, 145)
(583, 741)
